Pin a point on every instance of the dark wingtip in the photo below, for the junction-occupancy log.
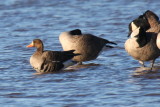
(76, 54)
(112, 42)
(109, 46)
(71, 50)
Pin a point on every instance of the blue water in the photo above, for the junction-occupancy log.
(112, 81)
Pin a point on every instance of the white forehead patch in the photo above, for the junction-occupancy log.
(32, 43)
(134, 27)
(135, 32)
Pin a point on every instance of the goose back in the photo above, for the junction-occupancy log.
(88, 45)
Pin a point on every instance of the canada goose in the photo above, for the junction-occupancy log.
(148, 19)
(88, 45)
(49, 61)
(142, 45)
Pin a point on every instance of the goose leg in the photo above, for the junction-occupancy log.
(152, 63)
(142, 63)
(79, 63)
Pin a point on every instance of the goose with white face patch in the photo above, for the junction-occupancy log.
(88, 45)
(50, 61)
(149, 20)
(142, 45)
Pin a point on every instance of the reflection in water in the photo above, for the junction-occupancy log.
(80, 66)
(146, 73)
(73, 68)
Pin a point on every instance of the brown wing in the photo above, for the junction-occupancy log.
(59, 56)
(53, 60)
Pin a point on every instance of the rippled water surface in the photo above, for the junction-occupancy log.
(113, 79)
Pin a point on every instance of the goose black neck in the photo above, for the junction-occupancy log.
(142, 38)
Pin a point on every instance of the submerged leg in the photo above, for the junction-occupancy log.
(142, 63)
(152, 63)
(79, 63)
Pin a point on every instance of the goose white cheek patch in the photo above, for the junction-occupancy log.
(135, 32)
(133, 26)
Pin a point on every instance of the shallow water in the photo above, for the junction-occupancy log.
(113, 79)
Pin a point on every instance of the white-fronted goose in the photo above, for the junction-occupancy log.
(88, 45)
(142, 44)
(50, 61)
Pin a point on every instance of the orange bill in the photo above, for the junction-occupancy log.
(30, 45)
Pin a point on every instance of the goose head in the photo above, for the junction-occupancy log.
(141, 21)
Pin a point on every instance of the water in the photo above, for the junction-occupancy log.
(114, 81)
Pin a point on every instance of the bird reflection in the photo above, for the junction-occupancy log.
(144, 72)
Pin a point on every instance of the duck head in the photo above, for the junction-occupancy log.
(36, 43)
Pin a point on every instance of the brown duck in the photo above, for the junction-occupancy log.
(50, 61)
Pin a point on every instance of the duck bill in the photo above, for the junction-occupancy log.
(30, 45)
